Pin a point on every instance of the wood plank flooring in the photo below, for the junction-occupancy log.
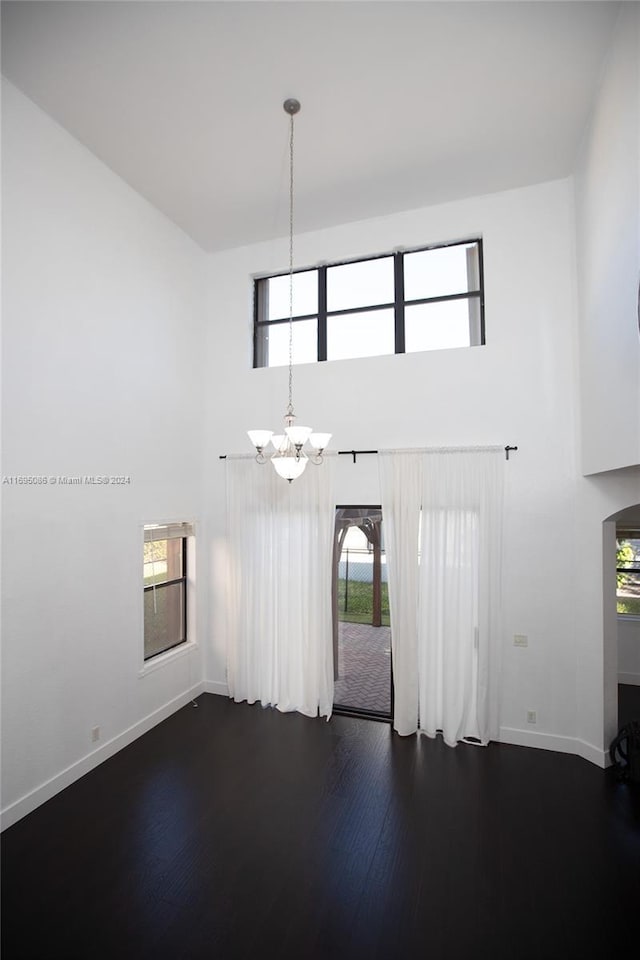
(230, 831)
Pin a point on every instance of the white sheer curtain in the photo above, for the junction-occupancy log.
(400, 478)
(444, 585)
(280, 633)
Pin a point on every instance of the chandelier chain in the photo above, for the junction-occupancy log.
(290, 407)
(290, 459)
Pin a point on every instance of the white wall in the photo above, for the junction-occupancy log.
(103, 310)
(608, 232)
(520, 388)
(607, 200)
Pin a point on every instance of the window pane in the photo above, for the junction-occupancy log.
(155, 562)
(305, 295)
(628, 576)
(437, 326)
(360, 284)
(368, 334)
(273, 346)
(441, 272)
(162, 560)
(163, 619)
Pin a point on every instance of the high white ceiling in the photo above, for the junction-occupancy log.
(404, 104)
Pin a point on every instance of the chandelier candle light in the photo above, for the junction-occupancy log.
(289, 458)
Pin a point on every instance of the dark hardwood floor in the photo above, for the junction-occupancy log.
(230, 831)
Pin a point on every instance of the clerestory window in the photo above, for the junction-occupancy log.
(402, 302)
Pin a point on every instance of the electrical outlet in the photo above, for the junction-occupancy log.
(520, 640)
(95, 734)
(532, 716)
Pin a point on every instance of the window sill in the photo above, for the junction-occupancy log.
(163, 659)
(628, 616)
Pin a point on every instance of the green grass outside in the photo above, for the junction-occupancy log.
(360, 602)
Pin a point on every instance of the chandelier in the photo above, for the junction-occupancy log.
(289, 458)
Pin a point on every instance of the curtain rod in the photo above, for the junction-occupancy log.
(356, 453)
(361, 453)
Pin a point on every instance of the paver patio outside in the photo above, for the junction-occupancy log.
(364, 667)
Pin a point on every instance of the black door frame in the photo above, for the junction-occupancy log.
(339, 709)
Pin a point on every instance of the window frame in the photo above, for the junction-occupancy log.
(174, 648)
(398, 305)
(350, 710)
(626, 533)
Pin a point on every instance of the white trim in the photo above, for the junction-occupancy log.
(168, 656)
(631, 678)
(550, 741)
(168, 531)
(215, 686)
(171, 522)
(20, 808)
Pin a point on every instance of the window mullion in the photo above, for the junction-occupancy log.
(322, 313)
(398, 272)
(164, 583)
(481, 284)
(184, 588)
(257, 293)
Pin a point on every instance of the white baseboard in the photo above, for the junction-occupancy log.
(550, 741)
(631, 678)
(215, 686)
(20, 808)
